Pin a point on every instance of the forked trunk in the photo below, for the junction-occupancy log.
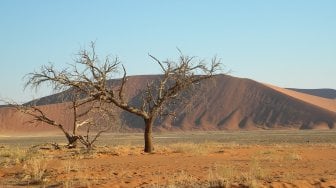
(72, 140)
(148, 136)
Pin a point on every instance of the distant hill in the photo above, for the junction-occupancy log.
(326, 93)
(224, 103)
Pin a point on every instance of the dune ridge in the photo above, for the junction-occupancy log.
(223, 103)
(328, 104)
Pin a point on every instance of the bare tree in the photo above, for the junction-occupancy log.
(87, 114)
(39, 116)
(90, 76)
(102, 119)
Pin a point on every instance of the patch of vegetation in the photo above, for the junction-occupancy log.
(35, 171)
(13, 156)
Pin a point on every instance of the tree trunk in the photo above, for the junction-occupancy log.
(72, 140)
(148, 136)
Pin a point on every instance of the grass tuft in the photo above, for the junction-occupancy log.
(35, 170)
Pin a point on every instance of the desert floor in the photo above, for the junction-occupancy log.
(192, 159)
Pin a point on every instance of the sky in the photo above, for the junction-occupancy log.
(288, 43)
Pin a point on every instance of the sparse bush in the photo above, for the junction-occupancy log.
(122, 150)
(182, 179)
(13, 156)
(227, 176)
(293, 156)
(70, 166)
(222, 176)
(256, 172)
(190, 148)
(35, 170)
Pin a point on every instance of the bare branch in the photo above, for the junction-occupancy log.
(123, 83)
(158, 61)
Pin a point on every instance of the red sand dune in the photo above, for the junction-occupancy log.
(328, 104)
(234, 103)
(224, 103)
(13, 122)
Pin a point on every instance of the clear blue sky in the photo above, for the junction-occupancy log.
(289, 43)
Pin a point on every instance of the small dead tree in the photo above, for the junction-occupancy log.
(87, 114)
(101, 120)
(90, 76)
(38, 116)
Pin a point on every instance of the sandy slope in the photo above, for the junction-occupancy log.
(328, 104)
(224, 103)
(232, 103)
(14, 123)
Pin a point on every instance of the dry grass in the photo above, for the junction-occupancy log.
(181, 179)
(242, 163)
(193, 148)
(15, 156)
(292, 156)
(32, 162)
(35, 171)
(12, 156)
(76, 174)
(121, 150)
(190, 148)
(70, 166)
(222, 176)
(228, 175)
(256, 173)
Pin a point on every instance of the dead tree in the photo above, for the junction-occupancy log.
(38, 116)
(90, 76)
(102, 119)
(87, 114)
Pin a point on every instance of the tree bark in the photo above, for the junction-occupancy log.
(72, 140)
(148, 136)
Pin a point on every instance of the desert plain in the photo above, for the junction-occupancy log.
(282, 158)
(243, 134)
